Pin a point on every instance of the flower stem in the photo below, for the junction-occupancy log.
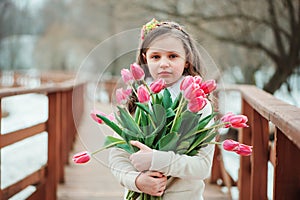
(133, 89)
(179, 110)
(208, 128)
(149, 90)
(152, 122)
(108, 146)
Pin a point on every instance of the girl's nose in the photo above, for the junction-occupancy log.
(164, 63)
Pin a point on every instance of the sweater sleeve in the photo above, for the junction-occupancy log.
(122, 169)
(184, 166)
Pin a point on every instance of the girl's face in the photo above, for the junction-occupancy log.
(166, 59)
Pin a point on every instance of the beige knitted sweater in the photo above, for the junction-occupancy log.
(187, 172)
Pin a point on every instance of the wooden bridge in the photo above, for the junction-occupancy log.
(70, 130)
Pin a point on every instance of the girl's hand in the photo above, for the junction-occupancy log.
(151, 182)
(142, 159)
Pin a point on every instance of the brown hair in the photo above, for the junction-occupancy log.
(169, 29)
(172, 29)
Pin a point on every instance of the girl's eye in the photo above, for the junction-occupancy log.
(173, 56)
(155, 57)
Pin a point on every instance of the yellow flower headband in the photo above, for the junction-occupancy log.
(153, 24)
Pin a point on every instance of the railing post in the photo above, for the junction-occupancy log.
(244, 180)
(71, 118)
(54, 134)
(64, 136)
(1, 195)
(260, 157)
(286, 169)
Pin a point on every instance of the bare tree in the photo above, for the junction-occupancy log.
(268, 26)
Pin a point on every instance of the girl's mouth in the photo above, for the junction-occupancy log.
(164, 73)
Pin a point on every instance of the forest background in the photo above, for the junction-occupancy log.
(251, 42)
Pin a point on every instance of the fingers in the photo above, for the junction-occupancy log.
(155, 174)
(153, 183)
(140, 145)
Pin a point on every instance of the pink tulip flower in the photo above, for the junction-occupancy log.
(197, 104)
(193, 91)
(137, 72)
(122, 95)
(236, 121)
(127, 76)
(143, 94)
(244, 150)
(82, 157)
(230, 145)
(208, 86)
(158, 85)
(197, 80)
(94, 116)
(241, 149)
(186, 82)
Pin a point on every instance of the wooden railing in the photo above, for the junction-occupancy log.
(262, 110)
(61, 131)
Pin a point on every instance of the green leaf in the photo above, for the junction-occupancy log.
(137, 115)
(143, 107)
(128, 121)
(189, 121)
(159, 114)
(168, 142)
(167, 100)
(201, 125)
(193, 153)
(111, 124)
(198, 140)
(160, 124)
(177, 124)
(176, 101)
(202, 138)
(170, 113)
(183, 147)
(157, 98)
(211, 137)
(203, 122)
(149, 140)
(205, 140)
(129, 135)
(111, 141)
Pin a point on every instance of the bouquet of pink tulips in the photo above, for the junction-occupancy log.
(162, 123)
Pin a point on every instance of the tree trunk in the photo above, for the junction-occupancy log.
(278, 78)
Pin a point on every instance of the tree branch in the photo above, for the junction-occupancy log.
(244, 43)
(273, 18)
(221, 18)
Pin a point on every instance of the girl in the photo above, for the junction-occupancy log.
(168, 52)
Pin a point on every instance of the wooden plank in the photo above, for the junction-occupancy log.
(32, 179)
(39, 193)
(64, 136)
(244, 183)
(216, 172)
(285, 116)
(72, 117)
(53, 145)
(1, 194)
(272, 154)
(44, 89)
(286, 169)
(260, 157)
(16, 136)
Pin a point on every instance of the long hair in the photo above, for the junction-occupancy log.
(169, 29)
(172, 29)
